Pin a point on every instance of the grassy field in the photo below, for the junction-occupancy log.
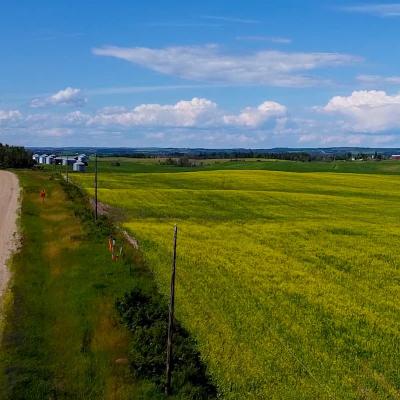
(289, 281)
(62, 333)
(387, 167)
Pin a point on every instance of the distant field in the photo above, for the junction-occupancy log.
(289, 281)
(388, 167)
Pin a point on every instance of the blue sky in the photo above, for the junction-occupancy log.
(205, 74)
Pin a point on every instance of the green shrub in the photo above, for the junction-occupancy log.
(146, 317)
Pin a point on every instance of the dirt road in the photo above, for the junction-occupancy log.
(9, 195)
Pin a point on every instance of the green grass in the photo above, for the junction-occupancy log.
(289, 281)
(62, 333)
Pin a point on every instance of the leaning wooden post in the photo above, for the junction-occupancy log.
(95, 189)
(171, 319)
(67, 169)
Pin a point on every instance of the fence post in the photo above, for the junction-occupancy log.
(95, 189)
(67, 169)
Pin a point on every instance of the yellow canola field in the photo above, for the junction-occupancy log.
(289, 282)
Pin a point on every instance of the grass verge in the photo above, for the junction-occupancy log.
(62, 336)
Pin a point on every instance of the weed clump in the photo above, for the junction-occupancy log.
(146, 317)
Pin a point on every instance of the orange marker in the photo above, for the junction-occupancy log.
(42, 195)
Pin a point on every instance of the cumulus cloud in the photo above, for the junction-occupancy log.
(367, 111)
(366, 118)
(67, 96)
(256, 116)
(7, 116)
(208, 63)
(380, 10)
(195, 122)
(185, 113)
(195, 113)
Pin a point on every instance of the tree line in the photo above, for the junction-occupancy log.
(183, 160)
(186, 159)
(15, 157)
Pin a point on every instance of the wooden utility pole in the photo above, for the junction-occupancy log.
(171, 319)
(95, 188)
(67, 168)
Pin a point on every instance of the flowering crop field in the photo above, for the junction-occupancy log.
(290, 282)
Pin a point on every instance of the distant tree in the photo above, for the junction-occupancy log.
(184, 162)
(15, 157)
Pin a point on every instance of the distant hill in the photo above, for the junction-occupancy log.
(172, 151)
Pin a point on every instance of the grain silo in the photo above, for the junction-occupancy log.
(42, 159)
(68, 160)
(50, 159)
(79, 166)
(83, 158)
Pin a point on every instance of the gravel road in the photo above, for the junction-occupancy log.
(9, 204)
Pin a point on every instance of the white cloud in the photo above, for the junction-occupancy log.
(77, 117)
(208, 63)
(67, 96)
(195, 113)
(367, 111)
(256, 116)
(380, 10)
(378, 79)
(56, 132)
(7, 116)
(364, 118)
(308, 138)
(195, 122)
